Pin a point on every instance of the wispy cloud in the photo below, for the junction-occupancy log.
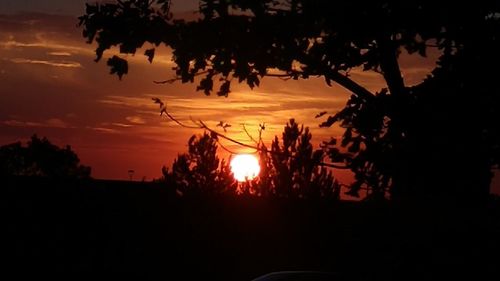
(56, 123)
(51, 123)
(237, 102)
(104, 130)
(121, 125)
(66, 48)
(126, 101)
(59, 54)
(136, 120)
(67, 64)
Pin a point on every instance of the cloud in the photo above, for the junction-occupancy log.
(50, 123)
(126, 101)
(59, 54)
(67, 64)
(44, 44)
(56, 123)
(104, 130)
(121, 125)
(242, 107)
(135, 120)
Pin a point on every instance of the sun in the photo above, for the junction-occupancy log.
(245, 167)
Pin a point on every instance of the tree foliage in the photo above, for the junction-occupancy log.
(295, 166)
(41, 158)
(396, 140)
(200, 170)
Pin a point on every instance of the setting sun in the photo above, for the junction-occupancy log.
(245, 167)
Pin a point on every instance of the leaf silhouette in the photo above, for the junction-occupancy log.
(118, 66)
(150, 53)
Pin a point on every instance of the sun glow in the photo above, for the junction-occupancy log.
(245, 167)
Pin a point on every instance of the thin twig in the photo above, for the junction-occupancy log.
(249, 135)
(228, 138)
(331, 165)
(231, 151)
(180, 123)
(177, 78)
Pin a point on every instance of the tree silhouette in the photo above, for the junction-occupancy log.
(392, 141)
(295, 169)
(41, 158)
(200, 170)
(290, 169)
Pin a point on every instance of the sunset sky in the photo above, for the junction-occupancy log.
(51, 86)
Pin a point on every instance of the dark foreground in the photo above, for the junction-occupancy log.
(101, 229)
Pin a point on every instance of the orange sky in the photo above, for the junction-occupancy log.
(51, 86)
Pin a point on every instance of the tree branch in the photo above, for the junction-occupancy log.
(250, 136)
(341, 79)
(350, 85)
(180, 123)
(390, 66)
(175, 79)
(230, 139)
(331, 165)
(201, 125)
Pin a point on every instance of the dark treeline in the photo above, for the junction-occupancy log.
(65, 227)
(41, 158)
(105, 229)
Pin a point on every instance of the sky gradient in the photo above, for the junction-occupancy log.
(51, 86)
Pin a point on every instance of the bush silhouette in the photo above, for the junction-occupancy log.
(41, 158)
